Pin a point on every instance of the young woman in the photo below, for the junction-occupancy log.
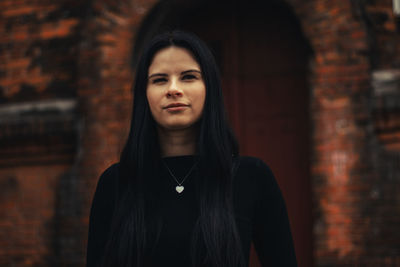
(181, 195)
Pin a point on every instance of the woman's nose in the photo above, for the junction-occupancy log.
(174, 91)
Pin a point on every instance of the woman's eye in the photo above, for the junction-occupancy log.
(159, 80)
(188, 77)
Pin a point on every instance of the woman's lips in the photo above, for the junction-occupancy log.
(176, 107)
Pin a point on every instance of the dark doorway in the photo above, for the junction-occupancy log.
(263, 57)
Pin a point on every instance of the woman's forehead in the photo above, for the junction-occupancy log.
(173, 59)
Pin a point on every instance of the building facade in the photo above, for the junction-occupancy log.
(312, 87)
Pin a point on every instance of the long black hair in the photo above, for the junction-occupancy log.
(135, 229)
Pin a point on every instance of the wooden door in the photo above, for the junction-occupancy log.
(263, 59)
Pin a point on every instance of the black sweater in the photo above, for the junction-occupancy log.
(260, 214)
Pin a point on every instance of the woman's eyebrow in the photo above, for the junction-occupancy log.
(187, 71)
(158, 74)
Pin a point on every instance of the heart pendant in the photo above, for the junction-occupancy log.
(179, 189)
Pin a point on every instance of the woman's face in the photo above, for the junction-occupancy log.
(175, 89)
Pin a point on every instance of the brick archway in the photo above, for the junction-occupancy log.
(341, 118)
(339, 85)
(264, 78)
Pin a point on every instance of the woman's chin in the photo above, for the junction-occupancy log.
(177, 126)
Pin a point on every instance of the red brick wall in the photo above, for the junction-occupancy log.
(104, 90)
(385, 34)
(39, 46)
(27, 210)
(39, 131)
(386, 58)
(63, 50)
(340, 79)
(356, 214)
(383, 243)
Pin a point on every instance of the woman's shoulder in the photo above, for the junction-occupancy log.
(108, 177)
(106, 188)
(254, 171)
(254, 166)
(250, 160)
(111, 170)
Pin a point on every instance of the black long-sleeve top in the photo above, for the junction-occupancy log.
(259, 207)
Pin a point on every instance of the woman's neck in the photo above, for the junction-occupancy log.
(177, 142)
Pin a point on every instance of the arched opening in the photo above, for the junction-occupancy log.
(263, 57)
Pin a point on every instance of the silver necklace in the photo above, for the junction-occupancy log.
(179, 188)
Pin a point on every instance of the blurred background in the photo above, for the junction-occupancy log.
(311, 86)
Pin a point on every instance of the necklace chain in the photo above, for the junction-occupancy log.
(180, 188)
